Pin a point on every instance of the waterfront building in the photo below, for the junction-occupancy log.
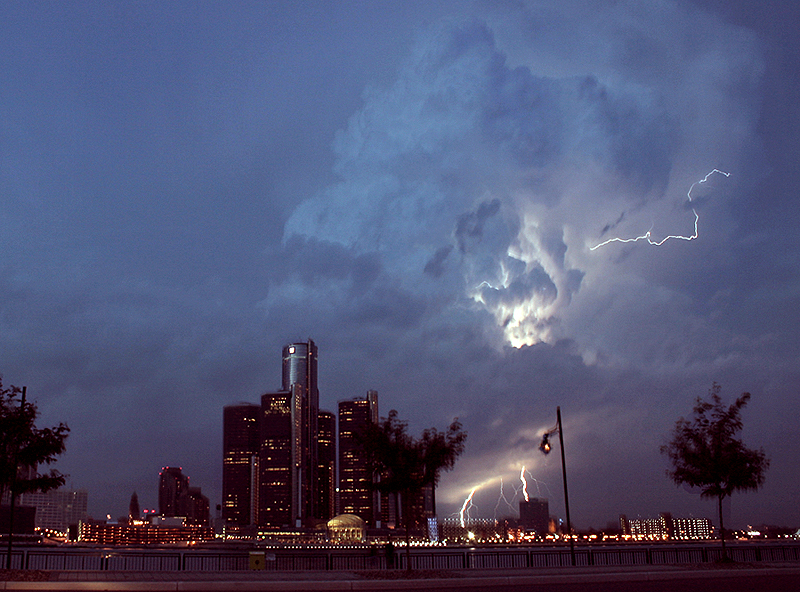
(665, 527)
(288, 452)
(356, 493)
(172, 483)
(240, 450)
(105, 533)
(57, 509)
(326, 466)
(534, 514)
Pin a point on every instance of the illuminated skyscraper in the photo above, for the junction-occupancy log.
(300, 378)
(356, 494)
(240, 437)
(279, 451)
(288, 459)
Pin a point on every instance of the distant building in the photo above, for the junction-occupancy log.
(240, 448)
(177, 498)
(57, 509)
(691, 529)
(356, 495)
(105, 533)
(194, 506)
(326, 465)
(279, 457)
(134, 512)
(288, 452)
(475, 529)
(534, 514)
(172, 484)
(346, 528)
(665, 527)
(278, 486)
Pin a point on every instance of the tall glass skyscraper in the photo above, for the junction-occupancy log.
(288, 456)
(279, 459)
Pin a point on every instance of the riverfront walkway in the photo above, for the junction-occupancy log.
(684, 578)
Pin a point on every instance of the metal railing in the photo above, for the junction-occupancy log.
(121, 559)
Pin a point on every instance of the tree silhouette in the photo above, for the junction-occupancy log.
(404, 465)
(706, 453)
(23, 447)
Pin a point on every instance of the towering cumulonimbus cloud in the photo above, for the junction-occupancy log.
(483, 184)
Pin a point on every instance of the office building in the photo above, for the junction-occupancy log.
(278, 484)
(57, 509)
(665, 527)
(240, 449)
(326, 466)
(134, 511)
(194, 507)
(279, 456)
(534, 514)
(172, 483)
(356, 493)
(300, 378)
(105, 533)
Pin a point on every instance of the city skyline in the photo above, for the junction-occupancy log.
(420, 186)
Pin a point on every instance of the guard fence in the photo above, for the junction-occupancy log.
(120, 559)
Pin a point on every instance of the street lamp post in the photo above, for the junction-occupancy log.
(545, 448)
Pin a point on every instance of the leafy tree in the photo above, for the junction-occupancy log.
(23, 446)
(706, 453)
(406, 465)
(440, 451)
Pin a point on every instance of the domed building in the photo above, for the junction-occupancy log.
(347, 528)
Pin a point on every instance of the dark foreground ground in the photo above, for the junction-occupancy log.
(686, 578)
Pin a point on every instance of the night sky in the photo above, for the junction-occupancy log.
(186, 187)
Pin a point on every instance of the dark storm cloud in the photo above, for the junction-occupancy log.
(172, 214)
(482, 153)
(469, 226)
(435, 266)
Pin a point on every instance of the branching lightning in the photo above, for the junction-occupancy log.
(466, 507)
(647, 236)
(502, 498)
(468, 504)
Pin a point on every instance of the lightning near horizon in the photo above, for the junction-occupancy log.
(468, 504)
(647, 236)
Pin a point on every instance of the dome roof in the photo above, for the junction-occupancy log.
(346, 521)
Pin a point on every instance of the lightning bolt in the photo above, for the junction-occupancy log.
(502, 498)
(524, 483)
(464, 513)
(468, 504)
(647, 236)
